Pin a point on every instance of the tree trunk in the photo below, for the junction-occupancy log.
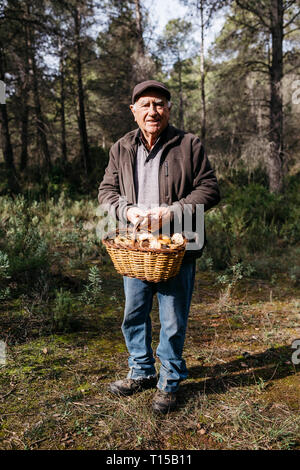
(273, 24)
(41, 127)
(181, 106)
(142, 64)
(24, 135)
(5, 139)
(62, 106)
(139, 29)
(25, 107)
(82, 120)
(276, 158)
(202, 74)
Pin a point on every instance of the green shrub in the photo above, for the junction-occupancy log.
(23, 242)
(250, 221)
(93, 288)
(4, 275)
(63, 310)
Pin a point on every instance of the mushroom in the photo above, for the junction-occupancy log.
(177, 239)
(155, 244)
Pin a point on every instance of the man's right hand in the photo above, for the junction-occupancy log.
(134, 213)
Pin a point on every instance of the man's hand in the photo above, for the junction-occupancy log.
(156, 218)
(134, 213)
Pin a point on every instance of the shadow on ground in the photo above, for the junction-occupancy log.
(256, 369)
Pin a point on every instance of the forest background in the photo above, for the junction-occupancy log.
(68, 68)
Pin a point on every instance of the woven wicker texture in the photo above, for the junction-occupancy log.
(147, 264)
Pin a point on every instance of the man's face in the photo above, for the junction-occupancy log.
(151, 112)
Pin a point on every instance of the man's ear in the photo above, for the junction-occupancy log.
(132, 108)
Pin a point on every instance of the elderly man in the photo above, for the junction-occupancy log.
(157, 170)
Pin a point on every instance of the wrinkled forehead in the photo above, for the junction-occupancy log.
(151, 95)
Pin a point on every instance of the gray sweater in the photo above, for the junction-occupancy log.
(146, 175)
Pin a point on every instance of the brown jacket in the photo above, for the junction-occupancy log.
(185, 174)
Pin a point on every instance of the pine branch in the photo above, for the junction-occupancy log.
(291, 20)
(255, 11)
(289, 4)
(292, 31)
(252, 62)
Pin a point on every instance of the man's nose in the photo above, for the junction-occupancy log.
(152, 109)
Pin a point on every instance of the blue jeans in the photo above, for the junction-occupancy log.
(174, 299)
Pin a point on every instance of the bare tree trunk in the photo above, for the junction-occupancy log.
(41, 127)
(6, 142)
(272, 22)
(181, 105)
(62, 105)
(202, 74)
(25, 107)
(143, 67)
(24, 135)
(276, 158)
(5, 139)
(82, 120)
(139, 29)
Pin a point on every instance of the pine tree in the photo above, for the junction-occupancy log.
(270, 18)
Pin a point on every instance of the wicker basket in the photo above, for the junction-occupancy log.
(147, 264)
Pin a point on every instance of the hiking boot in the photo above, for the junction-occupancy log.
(128, 387)
(163, 402)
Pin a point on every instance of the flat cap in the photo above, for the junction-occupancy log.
(141, 87)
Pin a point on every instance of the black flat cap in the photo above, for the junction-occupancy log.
(153, 84)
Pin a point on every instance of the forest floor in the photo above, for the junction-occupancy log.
(243, 389)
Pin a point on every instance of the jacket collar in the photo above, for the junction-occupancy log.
(170, 134)
(162, 137)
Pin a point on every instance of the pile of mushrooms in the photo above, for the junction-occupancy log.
(148, 240)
